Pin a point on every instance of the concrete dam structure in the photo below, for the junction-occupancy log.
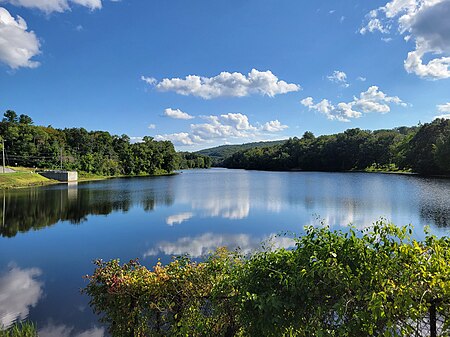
(65, 176)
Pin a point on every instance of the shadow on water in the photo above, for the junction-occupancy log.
(38, 208)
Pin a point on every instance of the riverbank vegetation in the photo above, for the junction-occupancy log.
(21, 329)
(374, 282)
(424, 149)
(93, 152)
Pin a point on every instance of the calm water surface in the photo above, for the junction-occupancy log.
(50, 235)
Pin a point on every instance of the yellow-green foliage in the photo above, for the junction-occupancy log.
(23, 329)
(184, 298)
(374, 282)
(22, 179)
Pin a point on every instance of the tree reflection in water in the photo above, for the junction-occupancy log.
(37, 208)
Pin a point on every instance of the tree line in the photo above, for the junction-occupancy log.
(96, 152)
(423, 149)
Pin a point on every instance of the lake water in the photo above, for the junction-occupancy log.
(50, 235)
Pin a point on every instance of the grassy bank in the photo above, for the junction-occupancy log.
(23, 179)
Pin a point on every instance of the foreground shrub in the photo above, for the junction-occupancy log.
(374, 282)
(183, 298)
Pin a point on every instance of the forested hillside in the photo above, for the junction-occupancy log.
(96, 152)
(424, 149)
(219, 153)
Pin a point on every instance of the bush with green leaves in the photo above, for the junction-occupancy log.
(373, 282)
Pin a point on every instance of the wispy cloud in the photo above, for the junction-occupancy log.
(339, 77)
(444, 107)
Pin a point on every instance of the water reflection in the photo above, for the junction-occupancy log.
(435, 201)
(339, 199)
(177, 219)
(212, 195)
(37, 208)
(439, 217)
(62, 330)
(19, 290)
(194, 212)
(201, 245)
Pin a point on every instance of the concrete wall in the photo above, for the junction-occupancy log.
(65, 176)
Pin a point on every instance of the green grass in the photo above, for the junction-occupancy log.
(22, 329)
(23, 179)
(21, 169)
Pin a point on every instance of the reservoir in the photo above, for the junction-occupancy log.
(49, 236)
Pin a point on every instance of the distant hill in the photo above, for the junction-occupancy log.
(219, 153)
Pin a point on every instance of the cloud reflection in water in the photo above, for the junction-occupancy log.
(62, 330)
(177, 219)
(203, 244)
(19, 290)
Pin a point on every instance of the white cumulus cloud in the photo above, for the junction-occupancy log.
(17, 45)
(177, 114)
(226, 84)
(225, 127)
(372, 100)
(274, 126)
(426, 22)
(180, 138)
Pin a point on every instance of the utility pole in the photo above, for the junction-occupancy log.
(61, 159)
(3, 150)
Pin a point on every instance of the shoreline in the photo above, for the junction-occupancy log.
(27, 178)
(400, 172)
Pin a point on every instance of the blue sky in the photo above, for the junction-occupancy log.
(205, 73)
